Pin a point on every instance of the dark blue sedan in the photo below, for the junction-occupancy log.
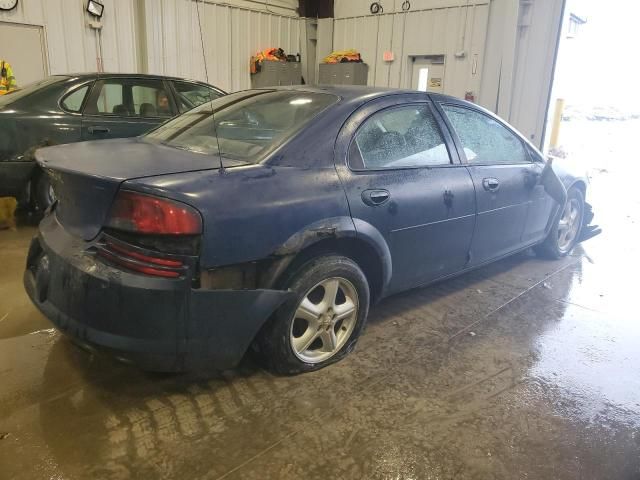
(275, 218)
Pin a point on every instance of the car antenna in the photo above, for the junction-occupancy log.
(206, 74)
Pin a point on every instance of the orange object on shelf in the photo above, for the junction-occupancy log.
(342, 56)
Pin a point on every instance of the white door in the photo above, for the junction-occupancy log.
(23, 47)
(428, 76)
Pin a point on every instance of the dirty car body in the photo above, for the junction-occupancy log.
(292, 174)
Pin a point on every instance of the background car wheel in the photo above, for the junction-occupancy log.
(565, 233)
(321, 323)
(43, 195)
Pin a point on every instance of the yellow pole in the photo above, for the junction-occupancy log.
(557, 118)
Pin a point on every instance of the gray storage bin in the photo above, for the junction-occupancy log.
(349, 73)
(273, 74)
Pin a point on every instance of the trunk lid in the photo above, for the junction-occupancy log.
(86, 176)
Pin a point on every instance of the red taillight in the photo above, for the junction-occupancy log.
(137, 267)
(163, 262)
(140, 213)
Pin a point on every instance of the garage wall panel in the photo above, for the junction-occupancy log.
(71, 44)
(434, 31)
(231, 36)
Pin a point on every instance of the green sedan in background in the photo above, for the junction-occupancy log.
(73, 108)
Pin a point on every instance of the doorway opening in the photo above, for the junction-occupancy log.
(427, 73)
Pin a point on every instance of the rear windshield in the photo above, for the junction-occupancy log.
(22, 92)
(249, 124)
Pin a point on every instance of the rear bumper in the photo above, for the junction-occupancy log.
(159, 324)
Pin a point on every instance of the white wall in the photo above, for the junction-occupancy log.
(509, 49)
(539, 26)
(511, 43)
(70, 44)
(429, 31)
(231, 36)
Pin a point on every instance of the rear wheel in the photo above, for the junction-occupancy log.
(565, 233)
(321, 323)
(42, 196)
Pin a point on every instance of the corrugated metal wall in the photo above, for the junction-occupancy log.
(539, 25)
(231, 36)
(437, 31)
(71, 45)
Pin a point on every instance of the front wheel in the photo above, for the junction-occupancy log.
(321, 323)
(566, 231)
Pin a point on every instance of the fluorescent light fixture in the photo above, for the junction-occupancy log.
(300, 101)
(95, 8)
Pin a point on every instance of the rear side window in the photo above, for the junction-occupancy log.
(190, 95)
(399, 137)
(248, 125)
(129, 98)
(484, 140)
(73, 101)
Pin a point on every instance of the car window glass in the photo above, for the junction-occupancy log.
(73, 101)
(191, 95)
(150, 101)
(483, 139)
(129, 98)
(248, 125)
(400, 137)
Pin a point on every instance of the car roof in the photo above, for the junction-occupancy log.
(361, 93)
(94, 75)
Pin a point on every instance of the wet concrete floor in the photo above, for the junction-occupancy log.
(524, 369)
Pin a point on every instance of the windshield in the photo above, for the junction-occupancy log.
(22, 92)
(249, 124)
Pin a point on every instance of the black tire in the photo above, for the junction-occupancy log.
(550, 248)
(273, 343)
(42, 196)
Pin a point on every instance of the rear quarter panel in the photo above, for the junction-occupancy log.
(251, 212)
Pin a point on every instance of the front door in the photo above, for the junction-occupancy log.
(504, 177)
(428, 74)
(125, 107)
(402, 180)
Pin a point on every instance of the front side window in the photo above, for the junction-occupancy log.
(399, 137)
(129, 98)
(191, 95)
(484, 140)
(248, 125)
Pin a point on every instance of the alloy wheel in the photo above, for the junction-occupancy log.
(569, 225)
(324, 320)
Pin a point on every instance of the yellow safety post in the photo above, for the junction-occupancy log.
(557, 118)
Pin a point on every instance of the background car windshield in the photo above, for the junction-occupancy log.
(249, 124)
(22, 92)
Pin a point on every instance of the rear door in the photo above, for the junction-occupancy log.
(504, 178)
(126, 107)
(403, 178)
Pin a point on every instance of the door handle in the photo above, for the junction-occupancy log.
(373, 198)
(94, 130)
(491, 184)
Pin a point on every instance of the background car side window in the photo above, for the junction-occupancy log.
(399, 137)
(150, 101)
(191, 95)
(129, 98)
(483, 139)
(73, 101)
